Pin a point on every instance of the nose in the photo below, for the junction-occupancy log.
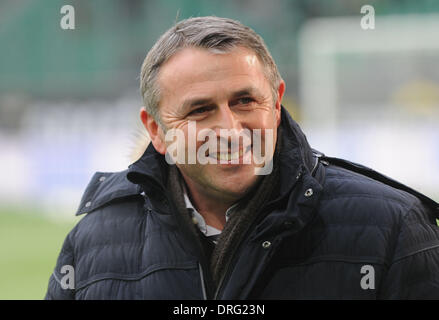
(228, 127)
(227, 119)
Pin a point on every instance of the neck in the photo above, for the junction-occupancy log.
(212, 207)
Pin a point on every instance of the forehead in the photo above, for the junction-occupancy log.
(208, 57)
(191, 68)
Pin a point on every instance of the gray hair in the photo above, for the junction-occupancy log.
(211, 33)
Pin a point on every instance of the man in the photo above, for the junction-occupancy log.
(306, 227)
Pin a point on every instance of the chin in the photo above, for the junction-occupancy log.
(236, 184)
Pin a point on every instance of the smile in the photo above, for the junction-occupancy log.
(230, 156)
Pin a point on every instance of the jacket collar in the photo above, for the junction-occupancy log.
(151, 169)
(296, 155)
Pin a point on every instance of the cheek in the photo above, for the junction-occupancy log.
(262, 120)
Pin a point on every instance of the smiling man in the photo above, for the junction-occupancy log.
(210, 224)
(219, 92)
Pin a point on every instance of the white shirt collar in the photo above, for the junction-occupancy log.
(201, 223)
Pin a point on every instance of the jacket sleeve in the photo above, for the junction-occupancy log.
(413, 272)
(62, 281)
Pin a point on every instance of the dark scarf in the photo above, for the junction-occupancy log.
(240, 220)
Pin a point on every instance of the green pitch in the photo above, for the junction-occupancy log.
(29, 247)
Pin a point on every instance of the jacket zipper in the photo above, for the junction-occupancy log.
(203, 284)
(232, 258)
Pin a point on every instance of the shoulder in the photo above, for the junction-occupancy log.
(113, 208)
(112, 205)
(341, 183)
(374, 216)
(105, 188)
(361, 195)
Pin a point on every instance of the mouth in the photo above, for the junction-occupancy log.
(228, 157)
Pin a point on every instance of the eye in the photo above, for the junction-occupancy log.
(201, 110)
(245, 100)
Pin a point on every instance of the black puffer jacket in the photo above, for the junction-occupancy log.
(335, 230)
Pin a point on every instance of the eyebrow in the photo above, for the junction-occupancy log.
(191, 103)
(244, 92)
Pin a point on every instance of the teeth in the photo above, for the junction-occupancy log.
(227, 156)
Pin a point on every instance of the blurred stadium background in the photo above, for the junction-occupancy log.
(69, 100)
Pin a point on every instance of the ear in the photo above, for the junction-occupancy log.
(154, 130)
(280, 94)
